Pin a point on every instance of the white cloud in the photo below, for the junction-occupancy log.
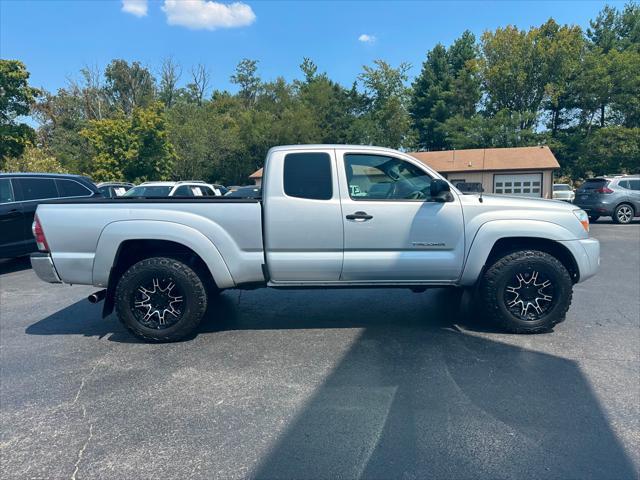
(364, 38)
(201, 14)
(135, 7)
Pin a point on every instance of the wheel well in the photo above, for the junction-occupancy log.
(504, 246)
(628, 205)
(132, 251)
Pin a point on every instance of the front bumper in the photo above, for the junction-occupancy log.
(586, 253)
(43, 266)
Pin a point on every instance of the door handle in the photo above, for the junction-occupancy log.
(13, 213)
(359, 216)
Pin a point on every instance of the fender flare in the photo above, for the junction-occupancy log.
(490, 232)
(113, 234)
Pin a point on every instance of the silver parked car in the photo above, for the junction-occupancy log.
(615, 197)
(563, 191)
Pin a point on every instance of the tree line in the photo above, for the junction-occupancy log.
(577, 91)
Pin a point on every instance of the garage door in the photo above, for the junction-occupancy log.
(521, 185)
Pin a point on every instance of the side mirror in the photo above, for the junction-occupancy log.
(440, 191)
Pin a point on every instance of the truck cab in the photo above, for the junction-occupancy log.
(358, 216)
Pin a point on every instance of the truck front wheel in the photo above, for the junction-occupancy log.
(527, 291)
(160, 299)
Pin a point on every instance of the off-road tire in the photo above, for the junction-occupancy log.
(501, 273)
(626, 219)
(192, 288)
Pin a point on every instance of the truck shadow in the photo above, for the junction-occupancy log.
(271, 310)
(414, 396)
(443, 404)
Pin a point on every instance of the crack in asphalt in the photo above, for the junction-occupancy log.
(76, 466)
(84, 447)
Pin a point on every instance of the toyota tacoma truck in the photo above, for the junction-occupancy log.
(329, 216)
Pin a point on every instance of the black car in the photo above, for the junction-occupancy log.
(251, 191)
(114, 189)
(20, 194)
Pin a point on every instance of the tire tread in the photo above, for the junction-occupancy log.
(185, 326)
(490, 293)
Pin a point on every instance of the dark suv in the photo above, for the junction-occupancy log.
(616, 197)
(20, 194)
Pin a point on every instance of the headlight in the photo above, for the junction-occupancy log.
(583, 218)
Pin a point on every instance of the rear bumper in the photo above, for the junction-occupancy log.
(43, 266)
(598, 208)
(586, 253)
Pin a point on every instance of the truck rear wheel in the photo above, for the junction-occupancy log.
(527, 291)
(160, 299)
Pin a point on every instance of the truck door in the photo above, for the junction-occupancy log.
(393, 231)
(303, 234)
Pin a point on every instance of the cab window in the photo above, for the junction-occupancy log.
(377, 177)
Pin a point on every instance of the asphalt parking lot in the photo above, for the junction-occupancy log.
(324, 384)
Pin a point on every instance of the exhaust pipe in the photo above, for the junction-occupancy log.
(97, 296)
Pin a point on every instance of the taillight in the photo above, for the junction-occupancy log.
(38, 233)
(604, 190)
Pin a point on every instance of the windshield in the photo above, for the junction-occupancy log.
(148, 191)
(561, 188)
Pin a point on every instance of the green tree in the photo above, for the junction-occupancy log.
(503, 129)
(448, 85)
(33, 159)
(206, 139)
(129, 86)
(16, 100)
(169, 76)
(332, 108)
(134, 148)
(513, 72)
(386, 121)
(602, 30)
(247, 79)
(563, 49)
(610, 150)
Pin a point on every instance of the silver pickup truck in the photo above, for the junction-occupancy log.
(330, 216)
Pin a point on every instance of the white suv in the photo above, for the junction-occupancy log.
(174, 189)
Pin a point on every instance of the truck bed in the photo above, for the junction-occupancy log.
(229, 228)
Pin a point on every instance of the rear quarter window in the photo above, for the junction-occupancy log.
(308, 175)
(71, 188)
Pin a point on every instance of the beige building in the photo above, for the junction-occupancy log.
(521, 171)
(256, 177)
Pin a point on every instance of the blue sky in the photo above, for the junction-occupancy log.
(57, 38)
